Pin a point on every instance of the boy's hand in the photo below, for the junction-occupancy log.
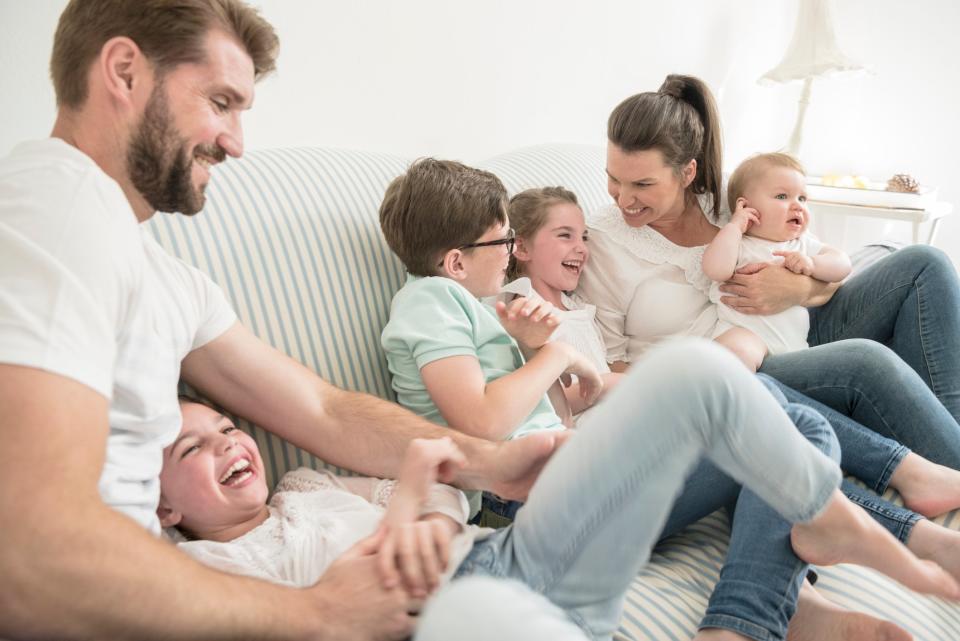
(530, 322)
(744, 217)
(591, 383)
(416, 554)
(796, 262)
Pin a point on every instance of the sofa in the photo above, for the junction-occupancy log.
(293, 238)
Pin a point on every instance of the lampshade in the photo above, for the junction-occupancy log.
(813, 50)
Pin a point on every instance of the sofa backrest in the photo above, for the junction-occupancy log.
(292, 236)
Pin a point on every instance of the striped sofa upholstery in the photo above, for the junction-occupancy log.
(292, 237)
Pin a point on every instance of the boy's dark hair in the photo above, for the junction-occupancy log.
(528, 213)
(753, 168)
(436, 206)
(168, 32)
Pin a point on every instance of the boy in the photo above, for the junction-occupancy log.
(767, 194)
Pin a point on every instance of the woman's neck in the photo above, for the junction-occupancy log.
(688, 227)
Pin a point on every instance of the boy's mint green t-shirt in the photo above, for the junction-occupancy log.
(435, 317)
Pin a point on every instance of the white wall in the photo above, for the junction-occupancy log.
(468, 80)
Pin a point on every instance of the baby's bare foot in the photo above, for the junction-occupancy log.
(927, 488)
(844, 533)
(818, 619)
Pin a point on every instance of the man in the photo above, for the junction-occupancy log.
(95, 320)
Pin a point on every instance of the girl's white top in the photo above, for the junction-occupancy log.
(314, 518)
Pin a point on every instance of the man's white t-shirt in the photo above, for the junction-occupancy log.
(87, 294)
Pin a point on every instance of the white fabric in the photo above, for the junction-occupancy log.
(314, 518)
(646, 289)
(783, 332)
(577, 325)
(87, 295)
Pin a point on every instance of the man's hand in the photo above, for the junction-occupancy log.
(530, 322)
(797, 263)
(764, 288)
(356, 606)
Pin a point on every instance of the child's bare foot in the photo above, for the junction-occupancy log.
(818, 619)
(927, 488)
(844, 533)
(938, 544)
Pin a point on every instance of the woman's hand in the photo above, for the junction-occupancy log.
(530, 322)
(766, 288)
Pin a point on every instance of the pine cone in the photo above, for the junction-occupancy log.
(904, 183)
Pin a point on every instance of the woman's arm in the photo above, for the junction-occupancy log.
(764, 288)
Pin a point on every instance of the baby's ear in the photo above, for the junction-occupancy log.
(168, 517)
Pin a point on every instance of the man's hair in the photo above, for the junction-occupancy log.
(528, 213)
(436, 206)
(168, 32)
(753, 168)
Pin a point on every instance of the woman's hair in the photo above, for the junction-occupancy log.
(753, 168)
(528, 213)
(681, 121)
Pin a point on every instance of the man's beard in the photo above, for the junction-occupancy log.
(159, 161)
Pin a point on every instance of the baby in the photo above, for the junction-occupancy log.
(767, 194)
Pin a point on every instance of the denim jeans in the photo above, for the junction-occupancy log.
(904, 381)
(601, 502)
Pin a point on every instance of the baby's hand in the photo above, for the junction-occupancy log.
(530, 322)
(796, 262)
(744, 216)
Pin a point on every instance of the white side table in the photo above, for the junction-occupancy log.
(933, 215)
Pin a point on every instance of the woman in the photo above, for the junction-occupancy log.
(664, 172)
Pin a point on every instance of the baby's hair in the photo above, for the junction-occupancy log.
(436, 206)
(528, 213)
(752, 168)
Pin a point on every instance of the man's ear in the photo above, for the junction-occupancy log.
(122, 67)
(453, 266)
(689, 172)
(168, 517)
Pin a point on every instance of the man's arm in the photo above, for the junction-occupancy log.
(762, 288)
(349, 429)
(68, 560)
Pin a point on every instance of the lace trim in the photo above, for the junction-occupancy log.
(307, 480)
(652, 247)
(383, 492)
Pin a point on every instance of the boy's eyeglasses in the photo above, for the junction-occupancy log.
(509, 240)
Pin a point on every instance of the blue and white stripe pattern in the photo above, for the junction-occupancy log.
(293, 238)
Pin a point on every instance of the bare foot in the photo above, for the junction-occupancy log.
(844, 533)
(938, 544)
(926, 488)
(818, 619)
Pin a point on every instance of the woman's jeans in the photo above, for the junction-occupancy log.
(601, 502)
(902, 383)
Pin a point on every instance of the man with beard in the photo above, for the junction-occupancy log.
(95, 320)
